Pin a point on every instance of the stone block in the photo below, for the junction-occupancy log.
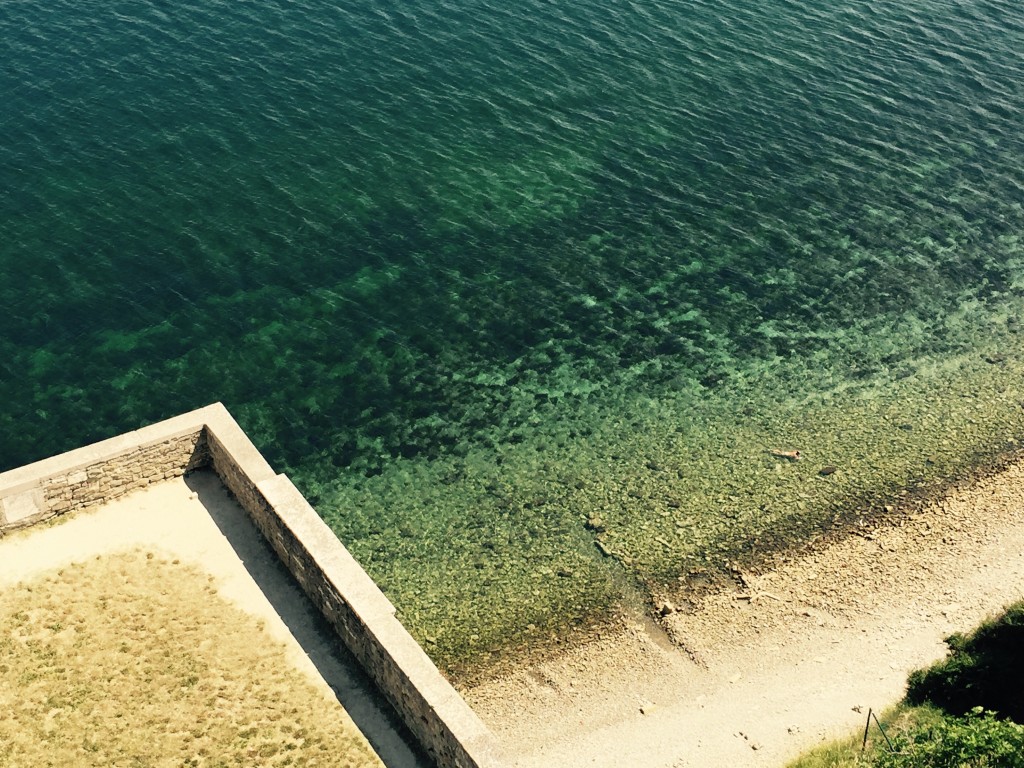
(18, 507)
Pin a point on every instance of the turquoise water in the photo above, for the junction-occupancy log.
(415, 246)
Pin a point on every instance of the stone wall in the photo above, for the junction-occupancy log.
(125, 473)
(362, 616)
(446, 727)
(89, 476)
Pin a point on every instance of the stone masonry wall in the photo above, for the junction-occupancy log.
(360, 613)
(103, 478)
(107, 480)
(364, 619)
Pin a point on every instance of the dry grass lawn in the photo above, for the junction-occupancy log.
(131, 660)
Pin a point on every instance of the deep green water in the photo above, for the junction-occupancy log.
(496, 281)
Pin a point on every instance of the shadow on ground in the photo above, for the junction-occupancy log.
(355, 691)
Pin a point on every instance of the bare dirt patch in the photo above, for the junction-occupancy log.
(787, 658)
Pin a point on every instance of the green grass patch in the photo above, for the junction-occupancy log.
(925, 737)
(854, 752)
(983, 669)
(959, 713)
(978, 740)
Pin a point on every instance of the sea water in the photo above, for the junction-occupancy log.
(524, 295)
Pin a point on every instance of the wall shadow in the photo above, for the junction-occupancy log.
(360, 697)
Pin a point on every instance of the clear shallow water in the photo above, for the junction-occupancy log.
(448, 262)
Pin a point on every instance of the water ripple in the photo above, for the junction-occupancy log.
(472, 175)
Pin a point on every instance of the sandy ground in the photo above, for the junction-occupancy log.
(195, 520)
(793, 657)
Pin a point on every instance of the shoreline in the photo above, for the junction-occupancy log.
(755, 675)
(781, 660)
(970, 427)
(485, 555)
(653, 610)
